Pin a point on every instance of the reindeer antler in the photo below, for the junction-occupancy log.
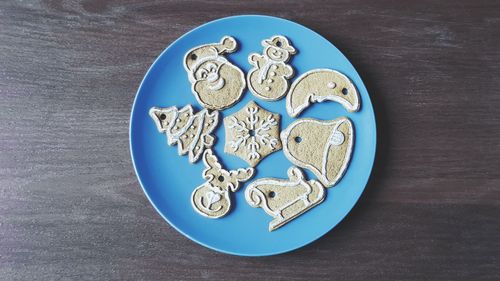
(211, 164)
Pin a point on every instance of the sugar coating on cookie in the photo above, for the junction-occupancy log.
(269, 77)
(216, 82)
(320, 85)
(252, 133)
(323, 147)
(188, 130)
(212, 198)
(284, 200)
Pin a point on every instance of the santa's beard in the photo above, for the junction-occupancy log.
(233, 85)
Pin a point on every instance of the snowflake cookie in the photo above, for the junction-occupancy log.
(252, 133)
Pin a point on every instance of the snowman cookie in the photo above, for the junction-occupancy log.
(285, 200)
(190, 131)
(212, 198)
(323, 147)
(320, 85)
(216, 83)
(268, 79)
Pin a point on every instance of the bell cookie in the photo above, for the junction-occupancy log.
(284, 200)
(320, 85)
(189, 131)
(252, 133)
(212, 199)
(268, 79)
(323, 147)
(216, 83)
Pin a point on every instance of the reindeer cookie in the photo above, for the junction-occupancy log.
(320, 85)
(268, 79)
(285, 200)
(323, 147)
(190, 131)
(216, 82)
(211, 199)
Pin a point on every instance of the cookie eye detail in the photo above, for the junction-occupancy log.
(163, 116)
(220, 178)
(271, 194)
(194, 56)
(201, 74)
(345, 91)
(297, 139)
(212, 67)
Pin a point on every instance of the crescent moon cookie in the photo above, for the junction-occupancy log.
(268, 79)
(323, 147)
(188, 130)
(212, 199)
(216, 83)
(284, 200)
(320, 85)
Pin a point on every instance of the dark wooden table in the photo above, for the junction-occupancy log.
(70, 204)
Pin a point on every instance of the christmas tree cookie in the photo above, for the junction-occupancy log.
(188, 130)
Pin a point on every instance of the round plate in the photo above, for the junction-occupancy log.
(169, 179)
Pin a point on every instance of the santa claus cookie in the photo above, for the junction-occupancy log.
(320, 85)
(268, 79)
(285, 200)
(323, 147)
(212, 198)
(190, 131)
(216, 82)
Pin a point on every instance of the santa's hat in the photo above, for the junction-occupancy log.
(197, 56)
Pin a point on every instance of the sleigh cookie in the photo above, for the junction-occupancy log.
(212, 198)
(321, 85)
(215, 82)
(282, 199)
(269, 77)
(189, 131)
(323, 147)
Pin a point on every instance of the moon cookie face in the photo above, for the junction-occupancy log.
(321, 85)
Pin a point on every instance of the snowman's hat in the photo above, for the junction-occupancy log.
(198, 55)
(279, 42)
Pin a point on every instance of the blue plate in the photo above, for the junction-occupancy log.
(169, 179)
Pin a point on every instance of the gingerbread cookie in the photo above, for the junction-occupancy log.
(320, 85)
(191, 132)
(323, 147)
(285, 200)
(252, 133)
(268, 79)
(216, 82)
(211, 199)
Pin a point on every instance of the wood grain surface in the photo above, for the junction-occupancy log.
(70, 204)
